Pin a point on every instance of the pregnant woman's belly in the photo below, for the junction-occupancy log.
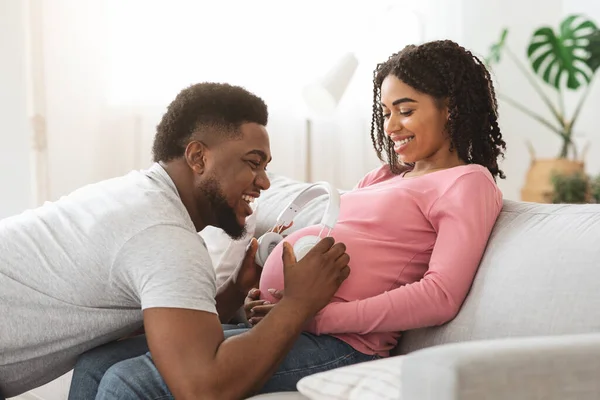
(363, 250)
(272, 273)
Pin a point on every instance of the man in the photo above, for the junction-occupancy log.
(93, 266)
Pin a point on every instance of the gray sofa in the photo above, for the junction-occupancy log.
(529, 329)
(530, 326)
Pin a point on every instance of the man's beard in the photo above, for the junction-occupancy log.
(224, 213)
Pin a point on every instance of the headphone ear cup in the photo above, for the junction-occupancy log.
(266, 244)
(304, 245)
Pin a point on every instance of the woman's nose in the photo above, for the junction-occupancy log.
(393, 124)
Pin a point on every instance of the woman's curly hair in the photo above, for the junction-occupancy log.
(449, 73)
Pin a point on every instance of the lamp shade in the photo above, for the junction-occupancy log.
(323, 96)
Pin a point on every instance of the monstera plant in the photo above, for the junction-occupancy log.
(563, 60)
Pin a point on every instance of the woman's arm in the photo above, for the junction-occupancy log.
(463, 219)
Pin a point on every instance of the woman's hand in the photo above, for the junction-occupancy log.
(255, 308)
(281, 228)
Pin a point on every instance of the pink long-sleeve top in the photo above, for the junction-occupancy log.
(415, 244)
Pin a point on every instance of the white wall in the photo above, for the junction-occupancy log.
(483, 21)
(15, 171)
(87, 141)
(103, 104)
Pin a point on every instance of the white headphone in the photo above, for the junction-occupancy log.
(268, 241)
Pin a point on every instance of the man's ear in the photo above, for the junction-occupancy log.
(195, 156)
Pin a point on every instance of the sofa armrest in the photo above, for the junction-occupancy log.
(550, 368)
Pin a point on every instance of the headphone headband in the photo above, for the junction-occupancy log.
(268, 241)
(310, 193)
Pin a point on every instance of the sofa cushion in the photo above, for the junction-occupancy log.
(538, 276)
(379, 379)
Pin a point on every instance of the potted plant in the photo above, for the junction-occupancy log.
(571, 189)
(575, 188)
(595, 189)
(563, 60)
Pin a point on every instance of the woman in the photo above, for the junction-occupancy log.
(416, 247)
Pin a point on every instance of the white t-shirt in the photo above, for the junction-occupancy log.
(77, 273)
(227, 254)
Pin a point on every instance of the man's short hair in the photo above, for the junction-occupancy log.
(216, 109)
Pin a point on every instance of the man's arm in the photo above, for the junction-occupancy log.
(188, 346)
(189, 350)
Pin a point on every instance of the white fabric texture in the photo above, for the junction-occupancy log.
(374, 380)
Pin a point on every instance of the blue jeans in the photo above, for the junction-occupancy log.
(92, 365)
(138, 378)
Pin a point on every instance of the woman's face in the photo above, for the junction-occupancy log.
(414, 122)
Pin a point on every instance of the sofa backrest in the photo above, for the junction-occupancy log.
(540, 274)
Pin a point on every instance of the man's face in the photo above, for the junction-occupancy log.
(234, 176)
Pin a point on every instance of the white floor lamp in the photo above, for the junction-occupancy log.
(323, 96)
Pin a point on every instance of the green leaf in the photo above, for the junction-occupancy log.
(554, 56)
(593, 49)
(496, 49)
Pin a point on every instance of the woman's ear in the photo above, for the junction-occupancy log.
(445, 115)
(195, 156)
(444, 106)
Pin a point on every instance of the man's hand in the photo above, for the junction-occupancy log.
(255, 308)
(312, 282)
(248, 273)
